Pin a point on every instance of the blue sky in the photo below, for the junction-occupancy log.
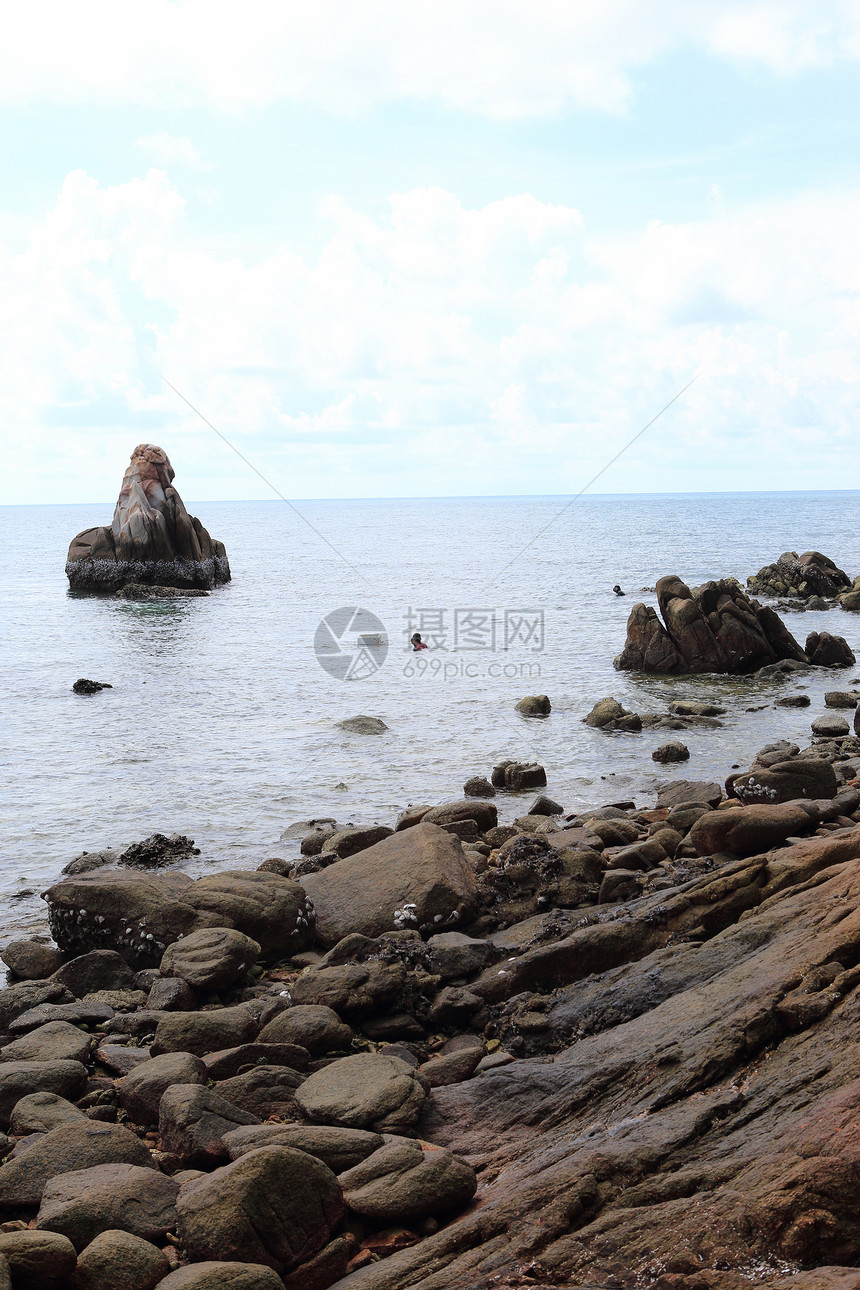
(469, 257)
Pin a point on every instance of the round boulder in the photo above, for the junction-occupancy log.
(274, 1206)
(120, 1261)
(141, 1091)
(368, 1091)
(311, 1026)
(829, 727)
(42, 1112)
(37, 1260)
(212, 958)
(31, 960)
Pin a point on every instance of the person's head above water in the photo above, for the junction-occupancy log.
(617, 590)
(416, 637)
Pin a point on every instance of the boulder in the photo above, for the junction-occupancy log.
(418, 877)
(96, 970)
(543, 805)
(477, 786)
(192, 1122)
(800, 576)
(203, 1032)
(218, 1275)
(212, 958)
(671, 752)
(787, 781)
(152, 538)
(688, 792)
(336, 1147)
(406, 1181)
(56, 1041)
(534, 705)
(347, 842)
(830, 727)
(76, 1014)
(355, 991)
(824, 650)
(83, 1203)
(274, 1206)
(749, 831)
(608, 714)
(273, 910)
(264, 1092)
(138, 914)
(367, 1091)
(37, 1260)
(141, 1091)
(516, 777)
(71, 1147)
(171, 994)
(452, 954)
(31, 960)
(312, 1026)
(42, 1112)
(24, 995)
(18, 1079)
(484, 814)
(840, 699)
(227, 1062)
(713, 628)
(119, 1261)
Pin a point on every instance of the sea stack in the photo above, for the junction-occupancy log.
(152, 539)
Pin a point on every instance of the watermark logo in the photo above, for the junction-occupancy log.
(351, 643)
(477, 628)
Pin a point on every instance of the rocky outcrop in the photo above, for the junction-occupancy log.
(152, 539)
(712, 628)
(800, 576)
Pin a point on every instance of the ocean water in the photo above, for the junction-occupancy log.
(222, 722)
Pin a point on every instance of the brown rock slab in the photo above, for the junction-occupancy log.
(37, 1260)
(31, 960)
(336, 1147)
(56, 1041)
(203, 1032)
(314, 1027)
(192, 1123)
(42, 1112)
(217, 1275)
(748, 831)
(17, 1079)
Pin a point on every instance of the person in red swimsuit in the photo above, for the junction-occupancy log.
(417, 642)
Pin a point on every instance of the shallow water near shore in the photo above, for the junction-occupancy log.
(222, 724)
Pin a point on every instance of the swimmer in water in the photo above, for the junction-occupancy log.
(417, 642)
(617, 590)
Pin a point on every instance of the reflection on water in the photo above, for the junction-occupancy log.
(221, 724)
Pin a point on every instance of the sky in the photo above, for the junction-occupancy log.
(391, 249)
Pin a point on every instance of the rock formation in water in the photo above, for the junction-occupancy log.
(713, 628)
(152, 539)
(800, 576)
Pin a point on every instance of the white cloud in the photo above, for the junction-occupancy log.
(502, 58)
(441, 349)
(172, 149)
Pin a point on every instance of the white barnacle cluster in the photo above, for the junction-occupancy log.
(406, 917)
(305, 919)
(80, 930)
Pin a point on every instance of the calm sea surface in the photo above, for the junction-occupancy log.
(222, 724)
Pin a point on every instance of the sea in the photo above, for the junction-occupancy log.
(222, 720)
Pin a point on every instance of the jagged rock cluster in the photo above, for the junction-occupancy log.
(615, 1048)
(717, 628)
(800, 577)
(152, 539)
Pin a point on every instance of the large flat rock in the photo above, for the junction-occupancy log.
(417, 878)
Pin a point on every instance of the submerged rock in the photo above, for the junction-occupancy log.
(152, 538)
(84, 686)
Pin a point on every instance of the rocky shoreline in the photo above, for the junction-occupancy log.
(616, 1048)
